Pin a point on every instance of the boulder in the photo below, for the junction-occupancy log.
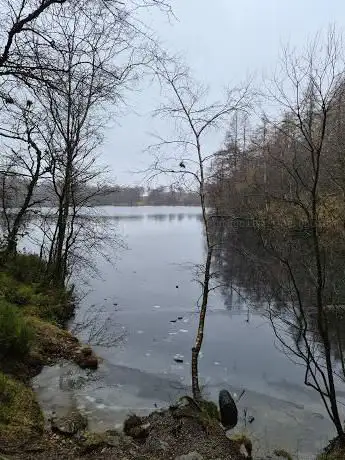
(86, 359)
(228, 410)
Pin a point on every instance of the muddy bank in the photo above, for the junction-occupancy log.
(33, 315)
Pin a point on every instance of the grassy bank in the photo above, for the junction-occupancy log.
(33, 316)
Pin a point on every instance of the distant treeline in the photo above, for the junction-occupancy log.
(105, 195)
(137, 196)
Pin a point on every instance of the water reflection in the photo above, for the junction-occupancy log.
(135, 299)
(128, 214)
(274, 269)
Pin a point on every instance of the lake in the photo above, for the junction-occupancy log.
(131, 310)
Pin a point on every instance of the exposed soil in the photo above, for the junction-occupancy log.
(164, 435)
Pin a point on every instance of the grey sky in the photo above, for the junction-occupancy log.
(223, 41)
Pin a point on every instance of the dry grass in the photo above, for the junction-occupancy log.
(21, 419)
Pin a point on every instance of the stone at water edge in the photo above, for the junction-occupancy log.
(228, 410)
(190, 456)
(136, 428)
(71, 424)
(86, 359)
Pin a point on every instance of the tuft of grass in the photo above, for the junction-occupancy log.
(15, 333)
(210, 409)
(204, 412)
(21, 419)
(24, 267)
(36, 298)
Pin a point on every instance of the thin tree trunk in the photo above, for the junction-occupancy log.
(200, 334)
(13, 234)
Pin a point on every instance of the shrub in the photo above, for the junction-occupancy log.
(15, 333)
(18, 295)
(26, 267)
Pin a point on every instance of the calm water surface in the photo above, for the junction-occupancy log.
(142, 290)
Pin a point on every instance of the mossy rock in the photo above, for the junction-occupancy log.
(21, 420)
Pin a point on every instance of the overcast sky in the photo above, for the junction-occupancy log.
(223, 41)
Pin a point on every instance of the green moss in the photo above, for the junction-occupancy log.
(20, 416)
(210, 409)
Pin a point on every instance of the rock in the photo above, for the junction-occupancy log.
(155, 444)
(87, 351)
(136, 428)
(190, 456)
(86, 359)
(69, 425)
(251, 419)
(244, 443)
(178, 360)
(113, 441)
(228, 410)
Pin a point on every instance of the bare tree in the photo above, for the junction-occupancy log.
(24, 166)
(195, 117)
(90, 52)
(71, 61)
(290, 182)
(314, 82)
